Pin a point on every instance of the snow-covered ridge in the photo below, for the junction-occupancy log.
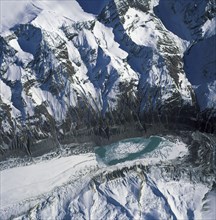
(26, 11)
(63, 69)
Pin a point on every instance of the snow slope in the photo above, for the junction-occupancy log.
(204, 81)
(26, 11)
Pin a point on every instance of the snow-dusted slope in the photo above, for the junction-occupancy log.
(26, 11)
(204, 67)
(64, 70)
(195, 22)
(154, 53)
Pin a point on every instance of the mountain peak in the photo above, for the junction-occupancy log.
(26, 11)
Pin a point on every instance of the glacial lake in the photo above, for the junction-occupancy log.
(126, 150)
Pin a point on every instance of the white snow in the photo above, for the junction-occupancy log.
(21, 183)
(23, 56)
(5, 92)
(183, 196)
(134, 195)
(141, 27)
(209, 28)
(66, 185)
(209, 210)
(106, 40)
(53, 105)
(14, 12)
(69, 9)
(13, 73)
(21, 12)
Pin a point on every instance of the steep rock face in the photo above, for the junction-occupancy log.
(153, 52)
(190, 20)
(62, 76)
(201, 71)
(195, 22)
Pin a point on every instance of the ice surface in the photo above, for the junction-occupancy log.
(81, 187)
(21, 183)
(151, 150)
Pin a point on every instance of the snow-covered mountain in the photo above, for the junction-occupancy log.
(67, 74)
(70, 80)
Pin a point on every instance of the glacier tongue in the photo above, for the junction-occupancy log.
(161, 184)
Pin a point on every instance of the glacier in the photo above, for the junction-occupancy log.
(158, 184)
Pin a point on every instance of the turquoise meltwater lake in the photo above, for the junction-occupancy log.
(127, 150)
